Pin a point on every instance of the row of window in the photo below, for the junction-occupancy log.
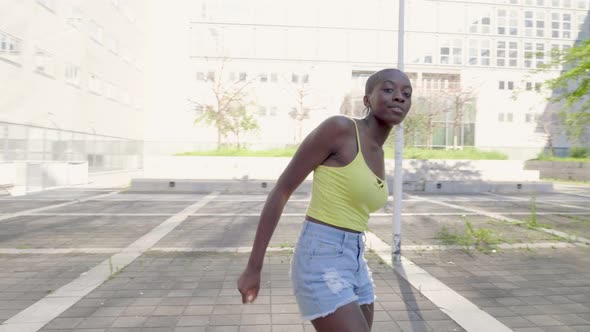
(533, 23)
(46, 65)
(97, 33)
(529, 86)
(74, 16)
(272, 77)
(574, 4)
(72, 7)
(509, 117)
(507, 53)
(342, 45)
(10, 47)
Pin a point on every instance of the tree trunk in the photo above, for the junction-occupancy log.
(299, 130)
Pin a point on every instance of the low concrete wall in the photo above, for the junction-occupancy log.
(261, 168)
(258, 175)
(578, 171)
(263, 187)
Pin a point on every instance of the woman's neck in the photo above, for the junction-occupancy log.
(376, 130)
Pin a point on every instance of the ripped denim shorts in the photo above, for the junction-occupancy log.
(328, 270)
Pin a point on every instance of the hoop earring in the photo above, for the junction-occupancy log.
(367, 110)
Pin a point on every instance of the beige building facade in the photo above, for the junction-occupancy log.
(72, 75)
(486, 50)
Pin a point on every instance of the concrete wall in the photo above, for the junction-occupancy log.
(578, 171)
(259, 168)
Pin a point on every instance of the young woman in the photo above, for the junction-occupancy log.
(331, 279)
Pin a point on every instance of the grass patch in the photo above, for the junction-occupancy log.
(576, 219)
(465, 153)
(567, 181)
(232, 152)
(532, 222)
(562, 159)
(482, 239)
(408, 153)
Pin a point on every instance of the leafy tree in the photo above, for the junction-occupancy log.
(301, 93)
(226, 109)
(240, 121)
(572, 87)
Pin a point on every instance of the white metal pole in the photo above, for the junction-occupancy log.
(398, 148)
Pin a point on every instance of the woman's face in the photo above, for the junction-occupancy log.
(391, 98)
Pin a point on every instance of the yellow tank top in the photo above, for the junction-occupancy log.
(345, 196)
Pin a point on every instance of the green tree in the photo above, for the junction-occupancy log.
(228, 97)
(572, 87)
(301, 98)
(239, 122)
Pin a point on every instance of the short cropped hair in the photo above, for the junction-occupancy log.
(377, 78)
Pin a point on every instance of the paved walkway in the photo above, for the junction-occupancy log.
(103, 260)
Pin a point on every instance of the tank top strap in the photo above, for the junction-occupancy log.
(358, 138)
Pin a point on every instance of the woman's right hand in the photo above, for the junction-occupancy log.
(249, 285)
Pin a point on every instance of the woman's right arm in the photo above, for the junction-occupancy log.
(318, 146)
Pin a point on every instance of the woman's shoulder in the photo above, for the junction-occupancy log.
(338, 124)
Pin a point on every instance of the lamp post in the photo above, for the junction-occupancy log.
(398, 148)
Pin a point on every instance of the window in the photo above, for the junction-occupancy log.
(273, 77)
(534, 24)
(200, 76)
(110, 90)
(501, 85)
(538, 87)
(513, 54)
(211, 76)
(49, 4)
(510, 85)
(501, 54)
(501, 117)
(243, 76)
(295, 78)
(74, 15)
(513, 23)
(480, 21)
(451, 51)
(501, 21)
(9, 47)
(528, 117)
(263, 77)
(44, 63)
(567, 25)
(94, 84)
(540, 54)
(529, 86)
(509, 117)
(305, 78)
(261, 110)
(444, 55)
(111, 43)
(561, 25)
(95, 31)
(534, 58)
(457, 51)
(507, 22)
(72, 74)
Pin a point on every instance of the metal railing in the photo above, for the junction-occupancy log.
(103, 153)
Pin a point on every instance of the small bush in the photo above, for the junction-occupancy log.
(580, 152)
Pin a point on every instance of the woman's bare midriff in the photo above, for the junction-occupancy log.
(325, 224)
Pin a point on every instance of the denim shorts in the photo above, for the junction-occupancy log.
(328, 270)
